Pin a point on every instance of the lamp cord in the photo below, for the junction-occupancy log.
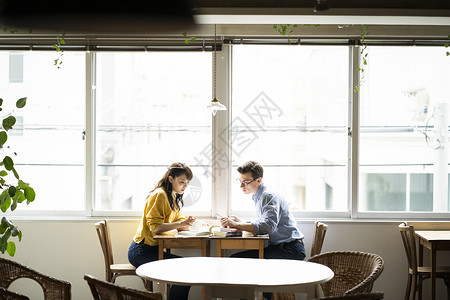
(215, 57)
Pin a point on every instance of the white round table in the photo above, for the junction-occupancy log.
(237, 277)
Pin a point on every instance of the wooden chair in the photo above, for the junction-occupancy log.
(106, 290)
(54, 289)
(316, 246)
(359, 296)
(320, 229)
(416, 274)
(9, 295)
(354, 271)
(112, 270)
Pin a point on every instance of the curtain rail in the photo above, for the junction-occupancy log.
(24, 44)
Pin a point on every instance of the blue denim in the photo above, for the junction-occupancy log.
(291, 250)
(141, 253)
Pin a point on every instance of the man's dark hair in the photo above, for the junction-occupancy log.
(253, 167)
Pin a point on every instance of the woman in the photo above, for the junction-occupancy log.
(161, 214)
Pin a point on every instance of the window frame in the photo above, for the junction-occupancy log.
(221, 139)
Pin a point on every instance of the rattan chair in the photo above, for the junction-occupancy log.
(54, 289)
(9, 295)
(112, 270)
(102, 290)
(354, 271)
(416, 274)
(359, 296)
(316, 246)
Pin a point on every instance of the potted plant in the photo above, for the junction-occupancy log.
(13, 190)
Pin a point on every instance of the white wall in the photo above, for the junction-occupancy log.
(69, 249)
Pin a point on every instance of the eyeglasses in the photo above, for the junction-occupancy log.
(244, 183)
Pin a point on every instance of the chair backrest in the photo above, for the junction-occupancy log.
(102, 228)
(354, 271)
(319, 235)
(9, 295)
(409, 242)
(106, 290)
(54, 289)
(359, 296)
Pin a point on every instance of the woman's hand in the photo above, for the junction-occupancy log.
(186, 223)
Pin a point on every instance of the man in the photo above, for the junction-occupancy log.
(273, 218)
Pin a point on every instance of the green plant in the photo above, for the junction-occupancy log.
(60, 40)
(5, 29)
(446, 46)
(11, 193)
(187, 39)
(285, 29)
(364, 55)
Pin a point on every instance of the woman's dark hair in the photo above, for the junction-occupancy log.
(253, 167)
(175, 170)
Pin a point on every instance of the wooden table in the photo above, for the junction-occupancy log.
(434, 240)
(171, 241)
(246, 242)
(242, 278)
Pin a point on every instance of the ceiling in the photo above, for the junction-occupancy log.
(256, 18)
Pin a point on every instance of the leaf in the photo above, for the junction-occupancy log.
(6, 204)
(11, 248)
(15, 231)
(14, 204)
(12, 191)
(29, 194)
(3, 197)
(15, 173)
(9, 164)
(21, 184)
(9, 122)
(1, 101)
(21, 102)
(3, 245)
(3, 138)
(6, 235)
(3, 225)
(3, 173)
(20, 196)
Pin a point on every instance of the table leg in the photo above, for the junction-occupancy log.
(162, 288)
(160, 249)
(261, 249)
(219, 251)
(205, 247)
(433, 271)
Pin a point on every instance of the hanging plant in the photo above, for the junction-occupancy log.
(60, 40)
(285, 29)
(363, 56)
(188, 39)
(6, 29)
(446, 46)
(11, 194)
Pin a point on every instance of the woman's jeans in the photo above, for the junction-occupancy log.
(142, 253)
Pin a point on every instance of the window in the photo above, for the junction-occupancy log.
(151, 111)
(48, 135)
(16, 67)
(404, 130)
(290, 114)
(289, 108)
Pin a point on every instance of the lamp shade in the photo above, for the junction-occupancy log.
(215, 106)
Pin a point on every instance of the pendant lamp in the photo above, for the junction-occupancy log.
(215, 104)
